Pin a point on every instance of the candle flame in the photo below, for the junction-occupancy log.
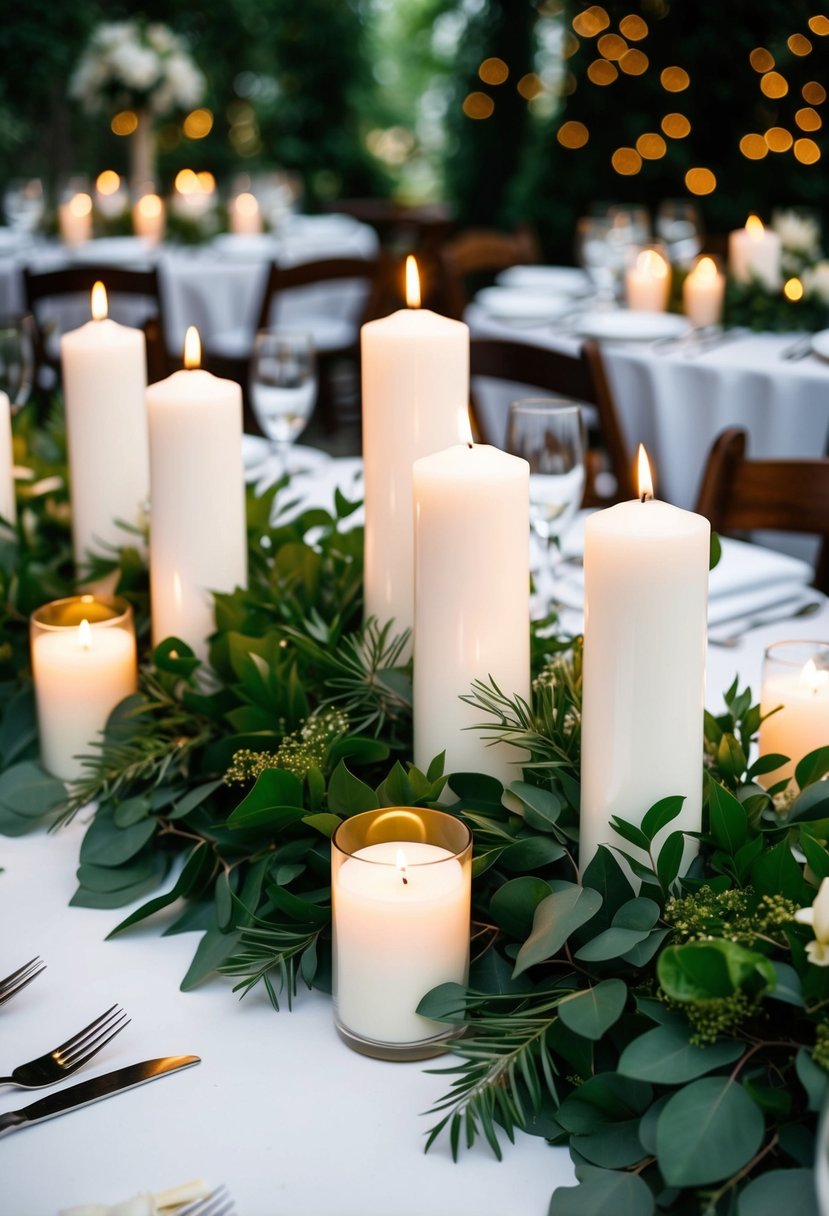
(793, 289)
(754, 227)
(192, 348)
(150, 205)
(650, 263)
(99, 302)
(108, 182)
(84, 635)
(401, 865)
(812, 677)
(80, 204)
(706, 268)
(464, 428)
(412, 283)
(644, 471)
(247, 204)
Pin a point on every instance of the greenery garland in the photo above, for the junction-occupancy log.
(675, 1035)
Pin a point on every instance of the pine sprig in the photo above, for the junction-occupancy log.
(268, 948)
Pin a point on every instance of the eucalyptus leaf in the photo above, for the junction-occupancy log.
(514, 903)
(592, 1012)
(613, 1191)
(556, 917)
(707, 1132)
(812, 767)
(813, 1079)
(27, 789)
(661, 814)
(779, 1191)
(214, 949)
(666, 1056)
(348, 795)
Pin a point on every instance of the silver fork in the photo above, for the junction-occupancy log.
(71, 1055)
(24, 975)
(217, 1203)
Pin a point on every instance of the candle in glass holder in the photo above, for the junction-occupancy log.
(75, 219)
(83, 665)
(400, 882)
(754, 253)
(244, 215)
(796, 685)
(648, 281)
(148, 217)
(703, 293)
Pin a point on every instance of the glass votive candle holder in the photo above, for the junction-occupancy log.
(648, 278)
(796, 685)
(83, 664)
(401, 893)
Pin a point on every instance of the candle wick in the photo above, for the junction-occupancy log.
(646, 496)
(470, 445)
(405, 879)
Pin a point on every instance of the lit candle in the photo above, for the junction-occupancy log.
(75, 219)
(8, 506)
(645, 585)
(148, 218)
(83, 665)
(194, 193)
(401, 916)
(104, 377)
(110, 196)
(244, 215)
(703, 292)
(472, 579)
(415, 371)
(648, 281)
(754, 253)
(796, 685)
(198, 541)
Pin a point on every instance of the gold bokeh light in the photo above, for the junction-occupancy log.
(591, 22)
(601, 72)
(676, 126)
(626, 161)
(806, 151)
(493, 71)
(633, 27)
(774, 85)
(808, 119)
(799, 44)
(125, 122)
(819, 25)
(108, 182)
(529, 86)
(572, 134)
(197, 124)
(478, 106)
(700, 181)
(793, 289)
(651, 146)
(674, 79)
(634, 63)
(761, 59)
(779, 139)
(813, 92)
(754, 147)
(611, 46)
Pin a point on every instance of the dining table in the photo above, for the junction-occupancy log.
(675, 389)
(279, 1109)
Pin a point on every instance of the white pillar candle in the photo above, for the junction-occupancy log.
(83, 665)
(148, 217)
(104, 378)
(471, 600)
(198, 540)
(415, 372)
(799, 691)
(110, 195)
(703, 293)
(648, 282)
(645, 582)
(75, 219)
(244, 215)
(754, 253)
(8, 507)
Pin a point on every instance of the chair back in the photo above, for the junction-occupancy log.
(742, 495)
(363, 272)
(580, 377)
(49, 299)
(477, 253)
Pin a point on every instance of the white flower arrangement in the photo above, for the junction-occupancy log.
(128, 64)
(817, 916)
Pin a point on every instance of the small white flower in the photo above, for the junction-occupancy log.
(818, 917)
(798, 233)
(816, 281)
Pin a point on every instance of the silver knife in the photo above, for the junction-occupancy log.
(93, 1090)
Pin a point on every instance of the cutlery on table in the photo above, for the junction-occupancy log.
(24, 975)
(217, 1203)
(87, 1092)
(71, 1055)
(754, 622)
(797, 350)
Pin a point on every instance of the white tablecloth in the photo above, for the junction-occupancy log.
(280, 1110)
(676, 401)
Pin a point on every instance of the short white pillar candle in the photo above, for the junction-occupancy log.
(796, 686)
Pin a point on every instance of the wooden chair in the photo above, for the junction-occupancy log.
(741, 495)
(336, 338)
(49, 292)
(580, 377)
(471, 257)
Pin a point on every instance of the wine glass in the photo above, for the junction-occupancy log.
(283, 387)
(24, 205)
(679, 225)
(549, 433)
(597, 254)
(17, 359)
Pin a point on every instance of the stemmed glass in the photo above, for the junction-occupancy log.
(549, 433)
(283, 388)
(24, 205)
(679, 225)
(17, 359)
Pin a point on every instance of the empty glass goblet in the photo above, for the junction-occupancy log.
(283, 387)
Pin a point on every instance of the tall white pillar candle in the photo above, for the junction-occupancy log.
(8, 507)
(703, 293)
(148, 218)
(415, 371)
(796, 686)
(75, 219)
(646, 583)
(83, 665)
(754, 252)
(198, 540)
(244, 215)
(648, 282)
(104, 378)
(471, 600)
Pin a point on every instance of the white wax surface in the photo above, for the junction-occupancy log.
(8, 507)
(798, 728)
(646, 581)
(197, 519)
(702, 298)
(415, 372)
(645, 291)
(104, 378)
(76, 688)
(755, 256)
(394, 941)
(472, 600)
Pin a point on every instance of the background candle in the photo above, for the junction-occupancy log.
(754, 252)
(148, 217)
(796, 678)
(645, 582)
(395, 940)
(104, 378)
(244, 215)
(703, 293)
(471, 600)
(648, 281)
(198, 539)
(75, 219)
(83, 665)
(8, 508)
(415, 370)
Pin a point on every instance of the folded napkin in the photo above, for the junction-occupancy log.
(164, 1203)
